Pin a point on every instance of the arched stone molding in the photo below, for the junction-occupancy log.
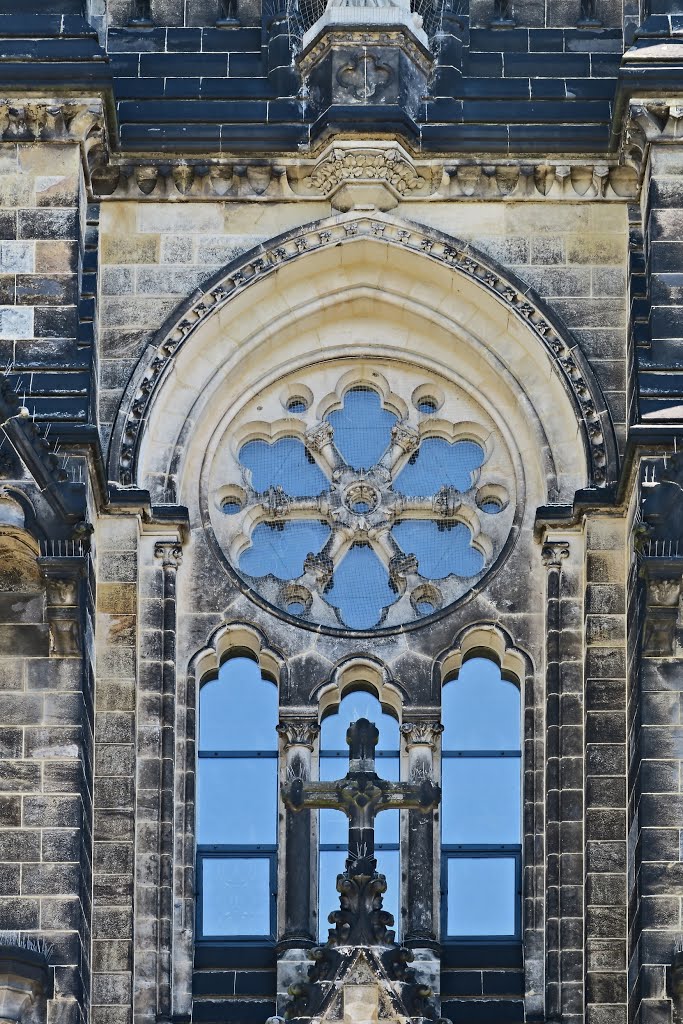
(357, 673)
(267, 293)
(488, 641)
(232, 639)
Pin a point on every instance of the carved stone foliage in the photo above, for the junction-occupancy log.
(361, 984)
(299, 733)
(655, 120)
(50, 119)
(422, 733)
(264, 260)
(388, 165)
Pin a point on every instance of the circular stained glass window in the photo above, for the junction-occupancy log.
(366, 511)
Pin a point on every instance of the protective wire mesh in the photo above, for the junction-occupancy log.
(362, 428)
(286, 464)
(360, 588)
(300, 15)
(280, 548)
(442, 548)
(437, 463)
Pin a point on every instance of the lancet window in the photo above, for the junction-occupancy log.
(237, 797)
(481, 805)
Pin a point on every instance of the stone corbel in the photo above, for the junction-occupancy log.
(663, 619)
(62, 575)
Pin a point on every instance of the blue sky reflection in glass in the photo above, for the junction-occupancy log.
(284, 463)
(239, 710)
(438, 463)
(360, 588)
(362, 428)
(280, 549)
(480, 710)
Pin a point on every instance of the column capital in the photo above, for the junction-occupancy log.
(554, 553)
(300, 733)
(422, 733)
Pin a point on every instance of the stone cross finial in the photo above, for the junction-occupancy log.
(361, 795)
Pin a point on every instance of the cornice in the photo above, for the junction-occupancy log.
(295, 178)
(87, 121)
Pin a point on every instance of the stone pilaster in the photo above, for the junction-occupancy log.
(114, 834)
(299, 873)
(422, 739)
(606, 930)
(169, 553)
(298, 738)
(553, 554)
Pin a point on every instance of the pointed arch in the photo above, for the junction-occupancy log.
(263, 293)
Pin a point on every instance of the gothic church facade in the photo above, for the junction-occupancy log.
(341, 381)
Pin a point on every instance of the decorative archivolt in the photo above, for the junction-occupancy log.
(237, 638)
(487, 640)
(359, 672)
(460, 258)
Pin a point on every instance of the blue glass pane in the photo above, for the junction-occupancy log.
(438, 463)
(441, 549)
(481, 800)
(332, 864)
(354, 706)
(334, 825)
(362, 428)
(238, 711)
(286, 464)
(481, 711)
(237, 801)
(360, 588)
(281, 549)
(235, 896)
(481, 896)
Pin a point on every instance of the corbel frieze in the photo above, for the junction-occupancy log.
(341, 165)
(460, 257)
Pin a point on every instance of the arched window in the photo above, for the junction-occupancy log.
(237, 804)
(481, 804)
(334, 833)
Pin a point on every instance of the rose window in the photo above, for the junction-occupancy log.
(363, 508)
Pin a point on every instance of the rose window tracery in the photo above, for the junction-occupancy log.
(374, 504)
